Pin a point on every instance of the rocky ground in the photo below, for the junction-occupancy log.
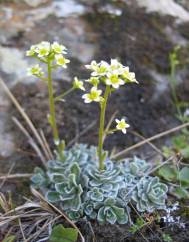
(140, 33)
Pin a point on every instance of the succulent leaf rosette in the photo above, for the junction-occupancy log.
(108, 180)
(111, 213)
(70, 193)
(139, 167)
(150, 194)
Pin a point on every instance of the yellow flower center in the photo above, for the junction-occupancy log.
(43, 51)
(114, 79)
(122, 125)
(94, 95)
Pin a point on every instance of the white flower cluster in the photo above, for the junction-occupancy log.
(113, 75)
(44, 51)
(171, 219)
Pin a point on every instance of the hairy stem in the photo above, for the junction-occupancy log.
(101, 129)
(52, 105)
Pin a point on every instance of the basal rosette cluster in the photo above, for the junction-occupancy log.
(77, 186)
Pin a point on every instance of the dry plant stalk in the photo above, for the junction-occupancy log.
(33, 220)
(27, 119)
(143, 142)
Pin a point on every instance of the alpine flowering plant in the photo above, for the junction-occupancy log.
(84, 181)
(112, 75)
(52, 56)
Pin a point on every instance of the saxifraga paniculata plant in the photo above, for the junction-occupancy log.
(83, 181)
(52, 56)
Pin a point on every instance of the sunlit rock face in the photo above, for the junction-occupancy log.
(7, 145)
(35, 3)
(168, 7)
(13, 64)
(67, 8)
(184, 3)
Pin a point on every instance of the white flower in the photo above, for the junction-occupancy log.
(78, 84)
(58, 49)
(115, 64)
(31, 51)
(94, 81)
(35, 71)
(92, 66)
(43, 49)
(104, 64)
(125, 72)
(61, 61)
(122, 125)
(131, 77)
(94, 95)
(114, 80)
(101, 69)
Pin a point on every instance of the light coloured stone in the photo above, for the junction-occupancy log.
(7, 144)
(165, 7)
(34, 3)
(12, 62)
(112, 10)
(66, 8)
